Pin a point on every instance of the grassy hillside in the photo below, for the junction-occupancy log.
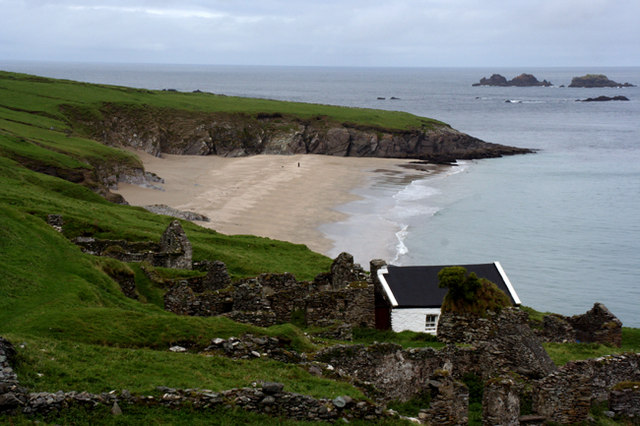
(43, 97)
(73, 327)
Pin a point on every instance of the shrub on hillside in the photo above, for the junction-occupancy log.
(469, 294)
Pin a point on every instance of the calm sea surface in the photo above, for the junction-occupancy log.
(564, 223)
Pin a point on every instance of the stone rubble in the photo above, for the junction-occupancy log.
(598, 325)
(343, 296)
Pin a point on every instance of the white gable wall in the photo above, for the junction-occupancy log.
(413, 319)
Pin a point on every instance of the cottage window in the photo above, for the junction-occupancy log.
(431, 323)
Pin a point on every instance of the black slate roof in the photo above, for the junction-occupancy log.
(417, 286)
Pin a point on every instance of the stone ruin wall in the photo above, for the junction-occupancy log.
(500, 343)
(265, 398)
(598, 325)
(566, 395)
(277, 298)
(173, 251)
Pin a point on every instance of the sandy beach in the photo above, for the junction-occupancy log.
(275, 196)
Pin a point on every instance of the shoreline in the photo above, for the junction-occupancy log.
(281, 197)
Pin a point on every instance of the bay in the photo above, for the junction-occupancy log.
(564, 222)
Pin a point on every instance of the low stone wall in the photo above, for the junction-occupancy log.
(501, 402)
(566, 395)
(249, 346)
(396, 373)
(173, 251)
(12, 395)
(624, 401)
(268, 398)
(449, 401)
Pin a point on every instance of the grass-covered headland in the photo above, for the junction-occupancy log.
(71, 324)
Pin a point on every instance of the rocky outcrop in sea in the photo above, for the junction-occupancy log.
(523, 80)
(596, 80)
(604, 99)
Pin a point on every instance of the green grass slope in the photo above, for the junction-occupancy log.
(73, 327)
(44, 97)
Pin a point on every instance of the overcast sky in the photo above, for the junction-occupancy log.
(333, 32)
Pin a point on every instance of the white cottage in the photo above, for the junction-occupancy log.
(408, 297)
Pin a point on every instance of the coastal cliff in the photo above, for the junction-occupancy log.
(161, 130)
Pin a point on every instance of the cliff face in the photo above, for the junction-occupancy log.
(159, 131)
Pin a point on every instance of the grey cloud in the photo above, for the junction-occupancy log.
(347, 32)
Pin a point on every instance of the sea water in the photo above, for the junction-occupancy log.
(564, 222)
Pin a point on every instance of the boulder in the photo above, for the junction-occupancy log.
(180, 214)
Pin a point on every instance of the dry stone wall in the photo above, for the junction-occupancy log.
(624, 401)
(277, 298)
(566, 395)
(501, 402)
(265, 398)
(597, 325)
(506, 340)
(449, 401)
(396, 373)
(12, 395)
(173, 251)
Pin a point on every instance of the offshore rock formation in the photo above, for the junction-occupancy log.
(158, 131)
(596, 80)
(523, 80)
(604, 99)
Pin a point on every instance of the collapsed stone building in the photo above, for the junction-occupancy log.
(343, 295)
(503, 349)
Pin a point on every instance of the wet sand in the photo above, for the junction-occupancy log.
(281, 197)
